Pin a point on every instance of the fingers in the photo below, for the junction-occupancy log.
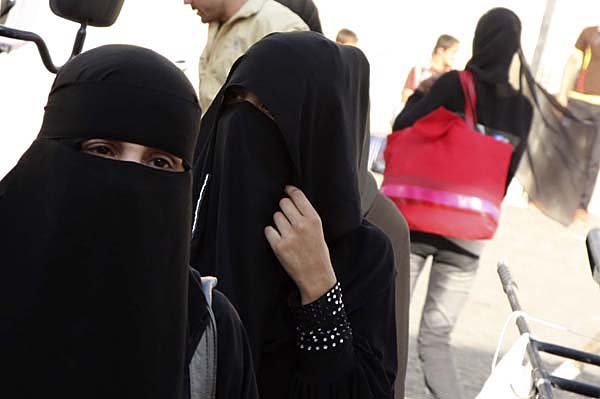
(290, 211)
(282, 223)
(301, 202)
(273, 237)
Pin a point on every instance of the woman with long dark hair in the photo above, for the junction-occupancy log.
(279, 220)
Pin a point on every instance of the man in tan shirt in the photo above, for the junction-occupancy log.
(234, 26)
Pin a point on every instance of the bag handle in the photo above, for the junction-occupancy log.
(468, 85)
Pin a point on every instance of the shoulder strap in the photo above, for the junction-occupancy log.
(203, 366)
(468, 85)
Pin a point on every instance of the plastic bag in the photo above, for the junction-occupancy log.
(512, 377)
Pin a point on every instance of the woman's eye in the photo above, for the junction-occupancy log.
(162, 163)
(101, 149)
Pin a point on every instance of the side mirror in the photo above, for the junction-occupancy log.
(101, 13)
(593, 247)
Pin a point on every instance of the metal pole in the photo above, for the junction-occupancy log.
(569, 353)
(41, 45)
(79, 40)
(31, 37)
(540, 376)
(577, 387)
(543, 35)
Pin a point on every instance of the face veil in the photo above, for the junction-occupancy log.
(93, 293)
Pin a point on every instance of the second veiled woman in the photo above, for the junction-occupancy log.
(290, 113)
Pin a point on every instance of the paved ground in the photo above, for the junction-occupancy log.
(549, 262)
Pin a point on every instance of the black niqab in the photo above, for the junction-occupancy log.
(497, 39)
(116, 92)
(317, 94)
(317, 76)
(95, 251)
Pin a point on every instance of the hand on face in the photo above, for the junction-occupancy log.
(298, 242)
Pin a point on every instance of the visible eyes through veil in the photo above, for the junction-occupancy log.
(237, 95)
(131, 152)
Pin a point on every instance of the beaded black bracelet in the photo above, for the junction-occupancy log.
(322, 325)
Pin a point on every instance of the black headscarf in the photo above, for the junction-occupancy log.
(316, 74)
(95, 252)
(317, 94)
(307, 10)
(497, 39)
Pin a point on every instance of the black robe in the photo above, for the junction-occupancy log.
(95, 252)
(316, 92)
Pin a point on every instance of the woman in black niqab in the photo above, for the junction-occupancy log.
(95, 252)
(503, 111)
(305, 131)
(499, 105)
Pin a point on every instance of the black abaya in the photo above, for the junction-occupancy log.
(93, 294)
(314, 89)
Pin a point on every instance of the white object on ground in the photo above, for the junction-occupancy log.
(511, 378)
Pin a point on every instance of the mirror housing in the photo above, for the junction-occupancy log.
(100, 13)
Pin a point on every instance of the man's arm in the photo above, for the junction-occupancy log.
(570, 75)
(573, 65)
